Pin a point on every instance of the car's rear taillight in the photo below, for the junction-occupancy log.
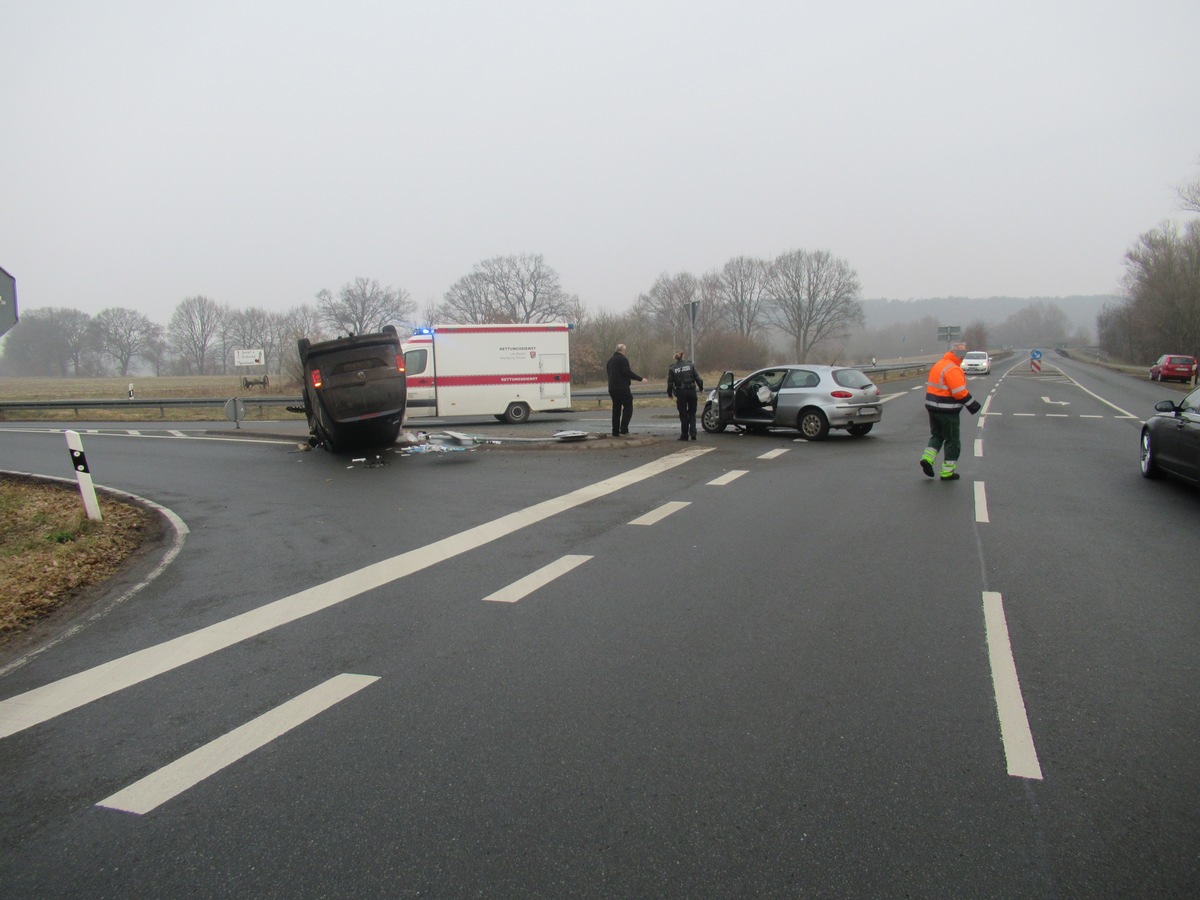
(317, 381)
(841, 395)
(400, 364)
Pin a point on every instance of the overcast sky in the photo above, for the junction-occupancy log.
(257, 152)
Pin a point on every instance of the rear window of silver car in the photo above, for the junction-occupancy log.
(851, 378)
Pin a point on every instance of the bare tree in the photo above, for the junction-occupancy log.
(519, 288)
(79, 336)
(195, 328)
(814, 296)
(363, 307)
(666, 306)
(1162, 281)
(123, 334)
(469, 301)
(743, 283)
(976, 335)
(36, 347)
(251, 329)
(1189, 196)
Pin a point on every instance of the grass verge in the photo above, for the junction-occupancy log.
(50, 552)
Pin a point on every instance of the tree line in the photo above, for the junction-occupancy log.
(804, 305)
(1159, 311)
(811, 297)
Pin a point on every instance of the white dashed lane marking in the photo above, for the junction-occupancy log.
(187, 771)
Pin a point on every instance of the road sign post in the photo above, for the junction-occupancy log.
(949, 334)
(8, 301)
(83, 475)
(1035, 362)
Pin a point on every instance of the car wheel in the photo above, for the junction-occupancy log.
(710, 421)
(1149, 466)
(813, 424)
(516, 413)
(860, 430)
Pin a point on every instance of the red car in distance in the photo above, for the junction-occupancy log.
(1172, 367)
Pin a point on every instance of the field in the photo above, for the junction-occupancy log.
(216, 387)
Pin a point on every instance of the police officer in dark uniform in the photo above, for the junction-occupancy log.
(683, 381)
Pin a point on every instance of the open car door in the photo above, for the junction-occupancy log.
(726, 405)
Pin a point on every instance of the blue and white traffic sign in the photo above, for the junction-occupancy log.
(1036, 354)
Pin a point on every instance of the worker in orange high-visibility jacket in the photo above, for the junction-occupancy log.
(945, 395)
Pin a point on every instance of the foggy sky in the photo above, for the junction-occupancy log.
(257, 152)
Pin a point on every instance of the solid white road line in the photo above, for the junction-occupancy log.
(1125, 415)
(981, 510)
(657, 515)
(1010, 705)
(731, 475)
(534, 580)
(44, 703)
(188, 771)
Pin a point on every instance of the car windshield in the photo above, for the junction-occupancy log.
(976, 354)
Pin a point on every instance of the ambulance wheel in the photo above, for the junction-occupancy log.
(813, 424)
(516, 413)
(710, 420)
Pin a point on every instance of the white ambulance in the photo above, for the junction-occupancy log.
(506, 371)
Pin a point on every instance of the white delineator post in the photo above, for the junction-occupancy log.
(79, 464)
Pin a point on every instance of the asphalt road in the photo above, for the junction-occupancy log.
(744, 666)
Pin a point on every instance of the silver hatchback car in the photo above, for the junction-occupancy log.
(811, 399)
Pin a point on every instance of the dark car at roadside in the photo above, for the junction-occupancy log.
(1171, 439)
(354, 390)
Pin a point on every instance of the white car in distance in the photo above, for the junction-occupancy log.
(977, 362)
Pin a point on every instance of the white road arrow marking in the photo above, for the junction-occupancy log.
(1057, 402)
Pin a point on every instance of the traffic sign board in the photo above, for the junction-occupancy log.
(1036, 354)
(8, 301)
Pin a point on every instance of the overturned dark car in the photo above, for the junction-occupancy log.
(354, 390)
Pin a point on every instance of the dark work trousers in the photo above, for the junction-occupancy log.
(685, 402)
(622, 401)
(944, 434)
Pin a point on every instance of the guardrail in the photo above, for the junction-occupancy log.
(162, 404)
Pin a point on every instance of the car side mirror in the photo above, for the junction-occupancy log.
(1165, 406)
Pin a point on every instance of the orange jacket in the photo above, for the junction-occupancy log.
(946, 388)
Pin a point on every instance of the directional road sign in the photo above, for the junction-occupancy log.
(8, 301)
